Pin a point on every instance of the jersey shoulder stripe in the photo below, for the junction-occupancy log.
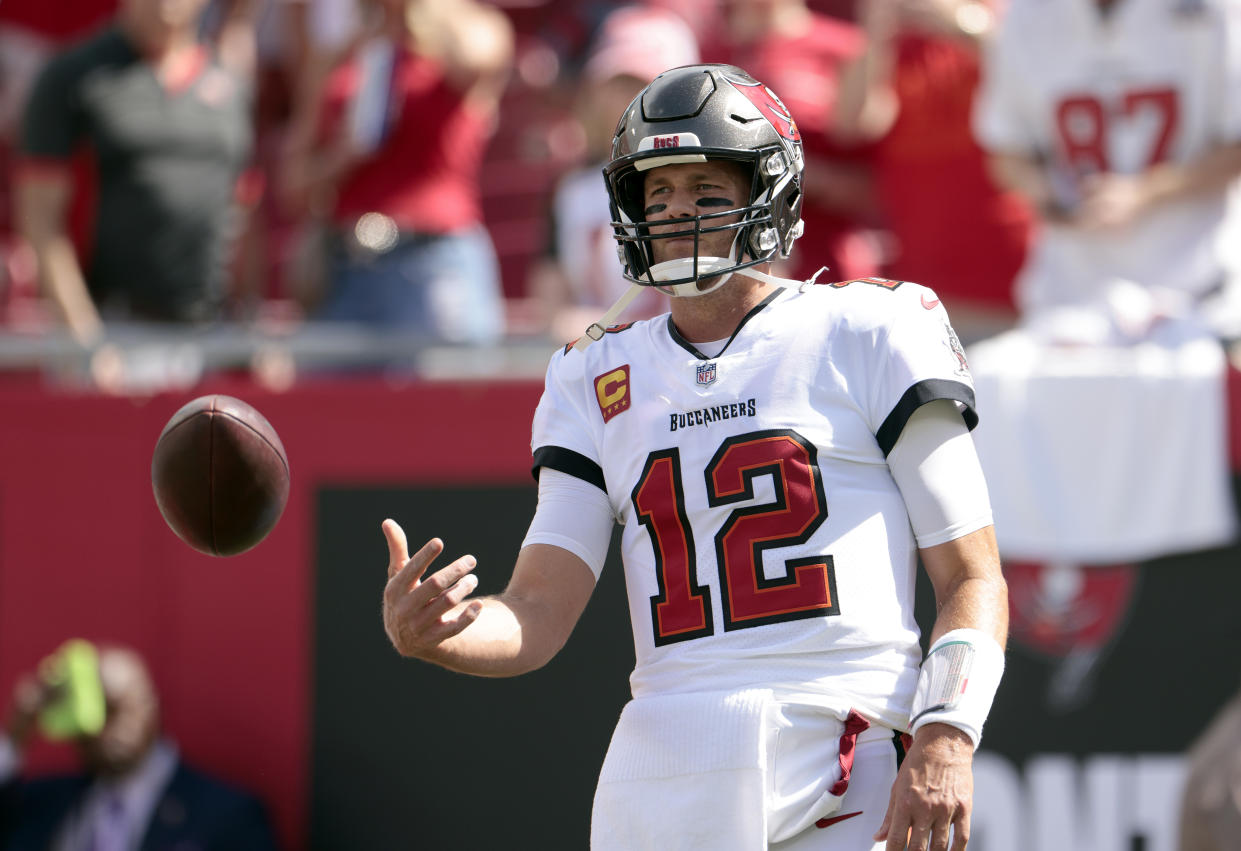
(567, 461)
(884, 283)
(918, 395)
(869, 303)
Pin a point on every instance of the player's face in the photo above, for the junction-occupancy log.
(684, 190)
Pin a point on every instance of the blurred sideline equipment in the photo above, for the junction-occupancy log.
(220, 475)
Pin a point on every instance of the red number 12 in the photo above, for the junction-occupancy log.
(682, 608)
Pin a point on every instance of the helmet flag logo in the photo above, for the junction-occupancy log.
(772, 108)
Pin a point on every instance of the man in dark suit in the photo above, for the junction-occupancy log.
(135, 791)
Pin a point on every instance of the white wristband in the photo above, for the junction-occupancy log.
(957, 682)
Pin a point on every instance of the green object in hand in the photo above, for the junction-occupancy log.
(78, 707)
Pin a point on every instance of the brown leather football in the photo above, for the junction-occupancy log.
(220, 475)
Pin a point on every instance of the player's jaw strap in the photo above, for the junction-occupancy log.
(958, 681)
(596, 329)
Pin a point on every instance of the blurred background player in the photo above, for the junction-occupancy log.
(135, 791)
(911, 92)
(578, 277)
(801, 54)
(163, 219)
(405, 119)
(1127, 146)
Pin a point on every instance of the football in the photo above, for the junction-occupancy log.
(220, 475)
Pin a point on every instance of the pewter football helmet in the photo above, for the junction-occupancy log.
(694, 114)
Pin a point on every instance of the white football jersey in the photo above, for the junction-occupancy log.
(764, 540)
(1152, 81)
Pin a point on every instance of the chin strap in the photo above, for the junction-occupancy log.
(751, 272)
(596, 329)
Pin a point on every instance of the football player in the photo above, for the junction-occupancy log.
(1126, 144)
(779, 454)
(1129, 145)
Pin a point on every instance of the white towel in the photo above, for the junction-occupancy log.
(1104, 453)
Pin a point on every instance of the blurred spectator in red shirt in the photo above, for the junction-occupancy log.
(30, 32)
(911, 91)
(800, 54)
(406, 117)
(579, 278)
(319, 33)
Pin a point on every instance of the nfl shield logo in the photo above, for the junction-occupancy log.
(706, 374)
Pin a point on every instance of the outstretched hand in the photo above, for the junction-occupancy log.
(933, 792)
(421, 613)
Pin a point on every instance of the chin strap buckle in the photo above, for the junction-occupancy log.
(595, 332)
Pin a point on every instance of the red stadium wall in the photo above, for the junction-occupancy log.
(84, 552)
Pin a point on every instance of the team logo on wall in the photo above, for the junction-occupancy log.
(706, 374)
(1070, 614)
(612, 392)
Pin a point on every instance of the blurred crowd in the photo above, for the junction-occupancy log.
(430, 168)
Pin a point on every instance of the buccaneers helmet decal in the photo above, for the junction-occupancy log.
(772, 108)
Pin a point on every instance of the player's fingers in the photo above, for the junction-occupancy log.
(421, 560)
(454, 595)
(918, 836)
(890, 816)
(895, 828)
(449, 626)
(939, 836)
(419, 563)
(412, 627)
(398, 546)
(405, 580)
(882, 833)
(437, 583)
(960, 831)
(897, 840)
